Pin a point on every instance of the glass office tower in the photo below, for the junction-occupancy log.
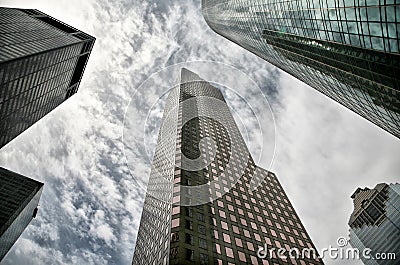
(196, 213)
(19, 198)
(375, 223)
(42, 61)
(348, 50)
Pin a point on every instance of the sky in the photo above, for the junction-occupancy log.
(91, 204)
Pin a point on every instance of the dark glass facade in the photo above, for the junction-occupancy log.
(375, 223)
(176, 227)
(348, 50)
(19, 198)
(42, 61)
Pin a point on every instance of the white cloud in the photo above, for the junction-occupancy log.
(324, 153)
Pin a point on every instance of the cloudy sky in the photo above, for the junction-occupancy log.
(91, 204)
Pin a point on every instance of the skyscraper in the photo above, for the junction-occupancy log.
(375, 224)
(348, 50)
(19, 198)
(200, 207)
(42, 61)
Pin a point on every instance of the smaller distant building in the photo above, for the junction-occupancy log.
(375, 223)
(19, 199)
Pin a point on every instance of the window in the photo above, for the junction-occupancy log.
(175, 210)
(189, 212)
(253, 260)
(250, 246)
(238, 242)
(175, 223)
(222, 214)
(229, 252)
(174, 237)
(174, 252)
(216, 234)
(242, 256)
(202, 243)
(213, 221)
(189, 225)
(227, 238)
(278, 244)
(176, 199)
(212, 210)
(188, 239)
(216, 248)
(189, 255)
(233, 218)
(188, 182)
(203, 259)
(200, 217)
(202, 229)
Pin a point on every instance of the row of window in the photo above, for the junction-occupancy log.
(153, 236)
(250, 37)
(14, 190)
(23, 49)
(34, 99)
(36, 63)
(14, 125)
(30, 88)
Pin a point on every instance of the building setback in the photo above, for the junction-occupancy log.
(375, 223)
(348, 50)
(19, 198)
(42, 61)
(176, 226)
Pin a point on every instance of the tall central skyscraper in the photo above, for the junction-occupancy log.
(348, 50)
(42, 61)
(200, 207)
